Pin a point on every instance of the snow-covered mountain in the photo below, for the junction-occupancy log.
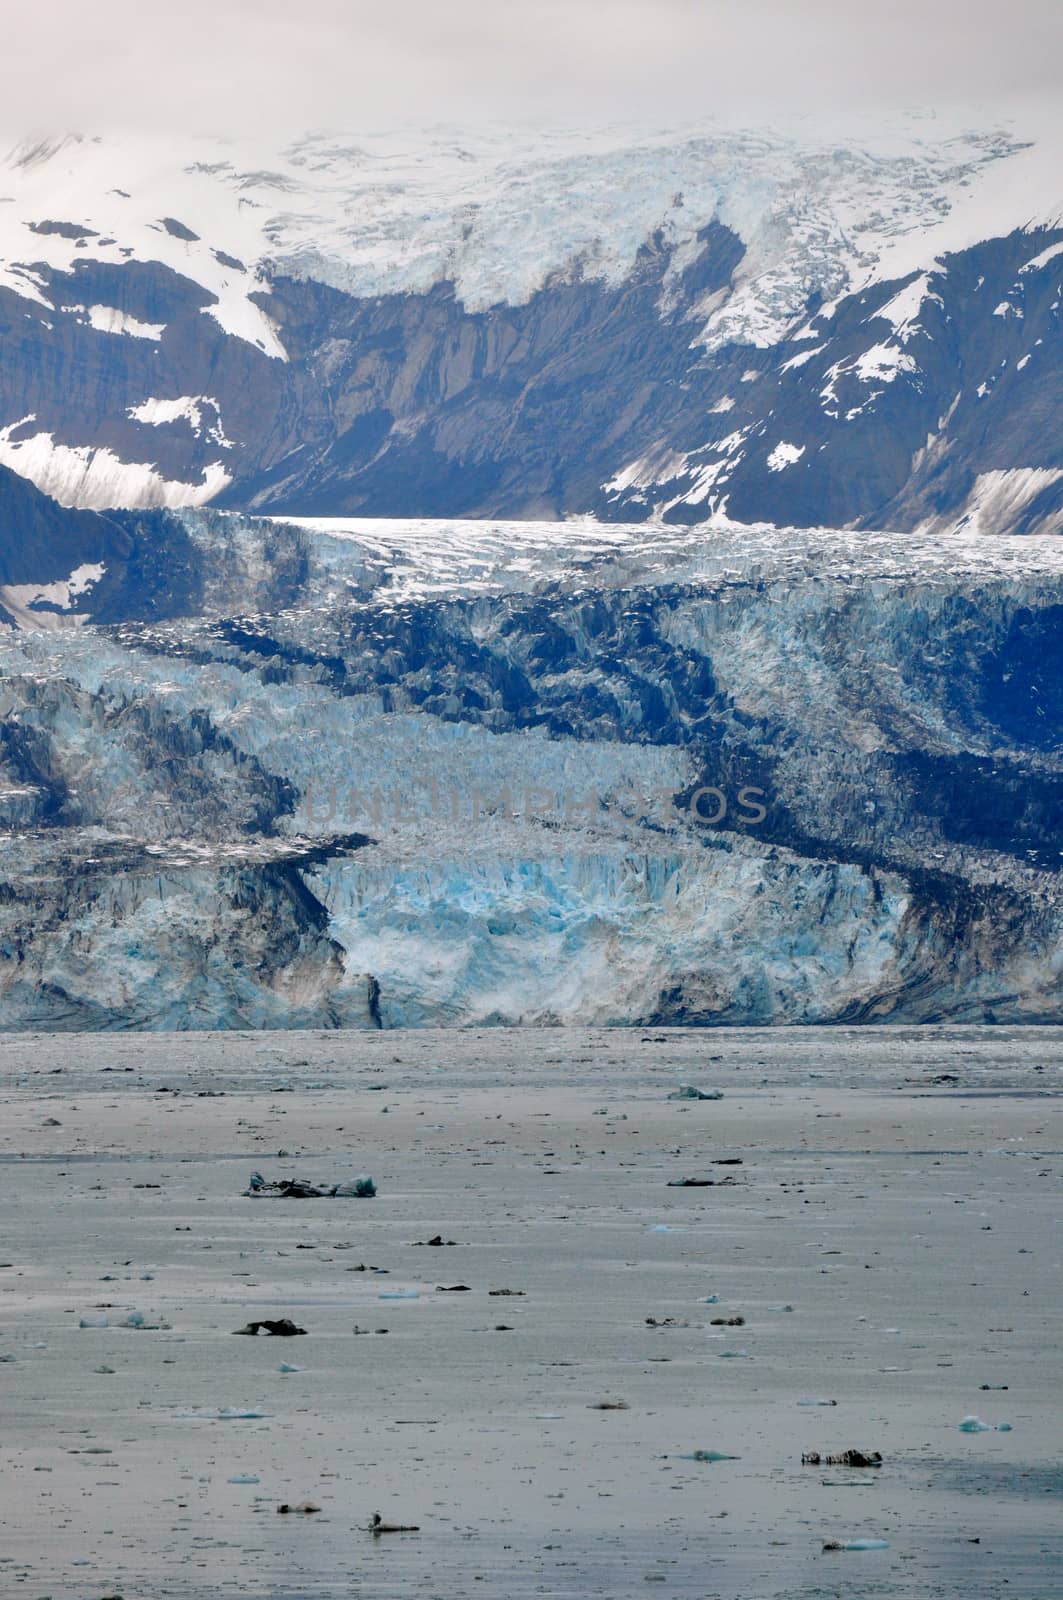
(386, 773)
(850, 330)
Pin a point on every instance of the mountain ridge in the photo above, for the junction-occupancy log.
(811, 330)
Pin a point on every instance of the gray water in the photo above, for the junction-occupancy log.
(899, 1188)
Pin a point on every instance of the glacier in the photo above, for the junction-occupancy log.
(412, 773)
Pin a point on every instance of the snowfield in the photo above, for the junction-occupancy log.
(499, 212)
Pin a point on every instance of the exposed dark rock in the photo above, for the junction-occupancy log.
(412, 405)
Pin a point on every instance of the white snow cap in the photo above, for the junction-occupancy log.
(499, 210)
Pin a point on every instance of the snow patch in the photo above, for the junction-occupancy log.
(904, 308)
(655, 467)
(784, 455)
(1053, 253)
(96, 479)
(800, 359)
(998, 502)
(882, 363)
(108, 319)
(156, 413)
(22, 600)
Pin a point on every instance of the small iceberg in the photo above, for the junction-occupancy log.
(224, 1414)
(707, 1455)
(359, 1188)
(857, 1544)
(976, 1425)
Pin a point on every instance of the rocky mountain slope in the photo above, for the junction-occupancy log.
(856, 331)
(422, 773)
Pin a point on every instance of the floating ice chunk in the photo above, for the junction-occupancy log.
(224, 1414)
(288, 1366)
(361, 1187)
(244, 1477)
(857, 1544)
(399, 1294)
(707, 1455)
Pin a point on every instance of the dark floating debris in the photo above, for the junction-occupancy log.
(847, 1458)
(705, 1183)
(689, 1092)
(280, 1328)
(727, 1322)
(609, 1405)
(305, 1508)
(379, 1526)
(360, 1188)
(437, 1243)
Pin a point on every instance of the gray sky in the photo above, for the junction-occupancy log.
(234, 65)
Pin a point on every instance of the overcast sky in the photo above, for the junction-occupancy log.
(235, 65)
